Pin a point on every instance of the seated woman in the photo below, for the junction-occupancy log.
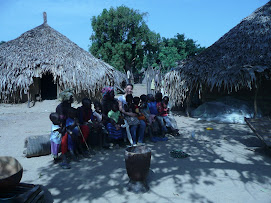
(107, 104)
(85, 117)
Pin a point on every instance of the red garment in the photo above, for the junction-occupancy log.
(85, 131)
(64, 144)
(159, 107)
(165, 109)
(87, 115)
(162, 109)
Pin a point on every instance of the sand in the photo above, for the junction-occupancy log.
(219, 168)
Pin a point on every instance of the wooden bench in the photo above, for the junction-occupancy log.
(262, 128)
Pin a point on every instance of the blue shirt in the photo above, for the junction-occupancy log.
(55, 135)
(153, 108)
(70, 122)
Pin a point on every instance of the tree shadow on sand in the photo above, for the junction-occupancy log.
(215, 156)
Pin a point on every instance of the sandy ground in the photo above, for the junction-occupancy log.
(219, 168)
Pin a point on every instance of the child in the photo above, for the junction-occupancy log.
(140, 116)
(129, 106)
(113, 126)
(55, 138)
(133, 122)
(98, 125)
(66, 142)
(97, 113)
(115, 116)
(152, 105)
(136, 101)
(73, 133)
(158, 99)
(145, 109)
(149, 118)
(163, 111)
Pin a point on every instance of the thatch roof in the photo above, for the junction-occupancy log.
(231, 63)
(44, 49)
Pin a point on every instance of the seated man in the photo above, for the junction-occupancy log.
(142, 125)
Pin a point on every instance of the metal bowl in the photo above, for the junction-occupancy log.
(11, 172)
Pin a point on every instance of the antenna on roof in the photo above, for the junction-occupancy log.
(44, 18)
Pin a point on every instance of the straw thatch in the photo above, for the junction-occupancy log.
(44, 50)
(234, 62)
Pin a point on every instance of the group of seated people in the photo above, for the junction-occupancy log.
(77, 130)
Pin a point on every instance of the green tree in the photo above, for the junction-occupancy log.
(168, 57)
(151, 51)
(2, 42)
(192, 48)
(122, 38)
(173, 50)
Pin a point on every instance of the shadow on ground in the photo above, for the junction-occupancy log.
(215, 156)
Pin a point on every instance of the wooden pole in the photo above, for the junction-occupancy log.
(188, 105)
(44, 18)
(255, 104)
(255, 101)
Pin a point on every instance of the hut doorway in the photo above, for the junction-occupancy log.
(48, 87)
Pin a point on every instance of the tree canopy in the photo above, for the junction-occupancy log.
(122, 38)
(173, 50)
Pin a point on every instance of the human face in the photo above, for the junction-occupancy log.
(129, 89)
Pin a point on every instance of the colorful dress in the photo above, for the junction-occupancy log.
(55, 140)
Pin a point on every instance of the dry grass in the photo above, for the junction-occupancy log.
(45, 50)
(237, 60)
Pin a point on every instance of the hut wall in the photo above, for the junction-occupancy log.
(263, 96)
(15, 97)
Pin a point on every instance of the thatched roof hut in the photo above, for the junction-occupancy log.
(238, 60)
(45, 53)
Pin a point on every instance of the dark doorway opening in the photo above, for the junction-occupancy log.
(48, 88)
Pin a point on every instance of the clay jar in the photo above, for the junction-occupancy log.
(137, 161)
(11, 173)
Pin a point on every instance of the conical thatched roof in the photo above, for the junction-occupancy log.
(231, 63)
(42, 50)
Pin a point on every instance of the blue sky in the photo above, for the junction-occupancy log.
(202, 20)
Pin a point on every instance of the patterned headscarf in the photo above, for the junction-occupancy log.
(106, 90)
(66, 94)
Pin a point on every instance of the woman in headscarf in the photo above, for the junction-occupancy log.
(107, 103)
(66, 101)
